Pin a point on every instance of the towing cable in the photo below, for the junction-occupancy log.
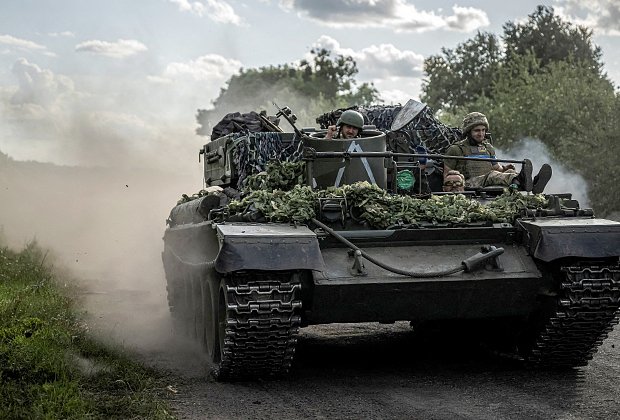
(468, 265)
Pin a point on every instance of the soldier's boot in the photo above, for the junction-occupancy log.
(541, 179)
(524, 179)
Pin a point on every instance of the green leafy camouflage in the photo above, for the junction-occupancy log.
(380, 209)
(296, 205)
(278, 176)
(186, 198)
(278, 195)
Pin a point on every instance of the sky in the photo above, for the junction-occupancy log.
(118, 83)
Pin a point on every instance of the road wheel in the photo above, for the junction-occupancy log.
(209, 325)
(194, 306)
(222, 323)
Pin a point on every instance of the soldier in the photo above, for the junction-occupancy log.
(479, 173)
(348, 126)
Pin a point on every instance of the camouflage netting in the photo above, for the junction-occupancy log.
(429, 132)
(237, 122)
(277, 175)
(253, 151)
(424, 130)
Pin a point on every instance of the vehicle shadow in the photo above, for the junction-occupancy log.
(374, 351)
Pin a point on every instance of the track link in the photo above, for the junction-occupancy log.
(587, 311)
(261, 325)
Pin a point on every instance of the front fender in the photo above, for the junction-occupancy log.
(267, 246)
(550, 239)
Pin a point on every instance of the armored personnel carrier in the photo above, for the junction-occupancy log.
(332, 234)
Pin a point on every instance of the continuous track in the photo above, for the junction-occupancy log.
(258, 324)
(587, 311)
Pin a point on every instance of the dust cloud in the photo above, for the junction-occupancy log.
(91, 169)
(563, 180)
(105, 225)
(122, 154)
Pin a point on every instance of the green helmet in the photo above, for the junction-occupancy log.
(352, 118)
(473, 119)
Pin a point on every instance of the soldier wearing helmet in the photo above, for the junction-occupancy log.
(348, 126)
(484, 173)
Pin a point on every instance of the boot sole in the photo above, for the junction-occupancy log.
(544, 175)
(526, 170)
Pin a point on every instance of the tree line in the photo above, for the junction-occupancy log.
(542, 78)
(545, 80)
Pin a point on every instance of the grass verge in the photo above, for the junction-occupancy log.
(49, 366)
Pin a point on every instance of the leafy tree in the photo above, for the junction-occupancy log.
(547, 84)
(573, 111)
(309, 88)
(325, 75)
(604, 188)
(334, 79)
(551, 40)
(460, 76)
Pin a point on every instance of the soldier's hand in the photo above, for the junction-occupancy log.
(331, 131)
(509, 166)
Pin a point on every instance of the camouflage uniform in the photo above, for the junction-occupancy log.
(478, 173)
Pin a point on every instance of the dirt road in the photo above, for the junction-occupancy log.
(369, 371)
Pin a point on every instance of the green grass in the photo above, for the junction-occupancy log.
(50, 368)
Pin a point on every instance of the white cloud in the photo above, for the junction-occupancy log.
(398, 91)
(67, 34)
(397, 74)
(37, 86)
(377, 61)
(333, 45)
(159, 79)
(398, 15)
(194, 7)
(216, 10)
(467, 19)
(601, 15)
(385, 60)
(44, 117)
(119, 49)
(209, 67)
(20, 43)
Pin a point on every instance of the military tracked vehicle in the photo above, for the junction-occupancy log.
(244, 276)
